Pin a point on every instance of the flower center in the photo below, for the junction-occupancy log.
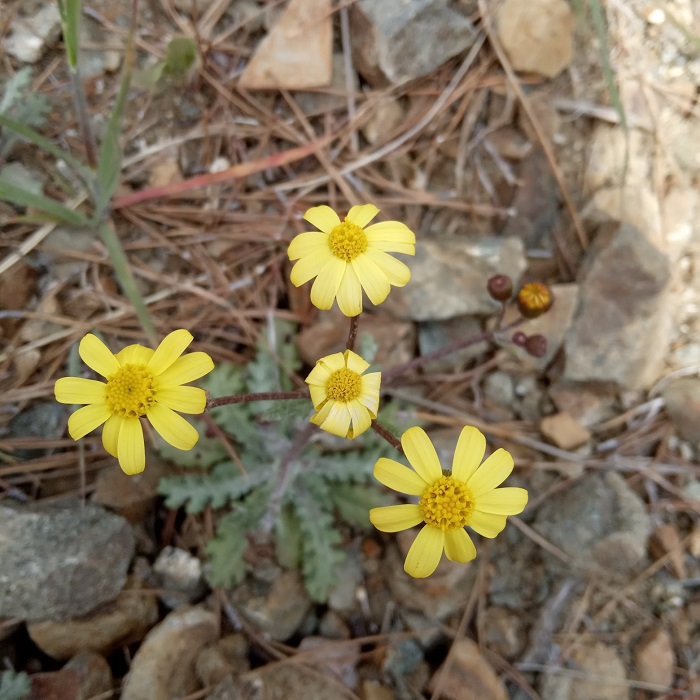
(446, 504)
(344, 385)
(131, 391)
(347, 241)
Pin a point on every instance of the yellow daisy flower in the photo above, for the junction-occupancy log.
(346, 401)
(349, 256)
(449, 501)
(140, 382)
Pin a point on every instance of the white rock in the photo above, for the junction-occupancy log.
(30, 36)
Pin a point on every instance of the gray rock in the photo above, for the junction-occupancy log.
(94, 673)
(31, 36)
(398, 41)
(682, 399)
(180, 574)
(622, 327)
(434, 335)
(61, 560)
(449, 276)
(41, 420)
(600, 523)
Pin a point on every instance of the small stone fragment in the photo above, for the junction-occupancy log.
(385, 117)
(291, 682)
(503, 632)
(682, 398)
(564, 431)
(654, 658)
(226, 657)
(179, 574)
(63, 684)
(94, 673)
(31, 36)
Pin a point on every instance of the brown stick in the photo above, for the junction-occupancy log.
(352, 335)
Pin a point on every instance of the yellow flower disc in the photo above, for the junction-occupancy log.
(344, 385)
(447, 504)
(347, 241)
(131, 391)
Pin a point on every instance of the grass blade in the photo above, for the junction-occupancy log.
(70, 21)
(21, 197)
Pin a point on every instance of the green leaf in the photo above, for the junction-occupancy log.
(14, 686)
(180, 57)
(56, 210)
(288, 538)
(354, 501)
(205, 454)
(289, 409)
(70, 22)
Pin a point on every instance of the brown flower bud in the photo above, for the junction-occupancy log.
(536, 345)
(519, 338)
(500, 287)
(534, 299)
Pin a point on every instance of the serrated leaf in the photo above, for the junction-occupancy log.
(289, 409)
(354, 501)
(14, 89)
(205, 454)
(14, 686)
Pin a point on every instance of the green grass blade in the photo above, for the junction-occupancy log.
(70, 20)
(21, 197)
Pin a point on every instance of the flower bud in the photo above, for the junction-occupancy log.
(500, 287)
(519, 338)
(534, 299)
(536, 345)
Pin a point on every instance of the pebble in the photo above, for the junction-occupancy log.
(503, 632)
(180, 575)
(41, 420)
(94, 674)
(227, 656)
(654, 658)
(564, 431)
(435, 335)
(31, 36)
(682, 399)
(385, 116)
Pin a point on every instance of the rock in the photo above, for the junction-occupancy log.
(588, 403)
(297, 53)
(339, 661)
(600, 523)
(60, 560)
(564, 431)
(372, 690)
(333, 626)
(292, 682)
(468, 676)
(537, 35)
(385, 115)
(397, 41)
(279, 609)
(31, 36)
(124, 621)
(225, 657)
(343, 596)
(41, 420)
(449, 276)
(622, 327)
(164, 665)
(180, 574)
(503, 632)
(435, 335)
(332, 97)
(682, 399)
(94, 674)
(498, 387)
(654, 658)
(57, 685)
(405, 666)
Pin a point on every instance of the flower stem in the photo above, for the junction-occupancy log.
(386, 435)
(352, 335)
(261, 396)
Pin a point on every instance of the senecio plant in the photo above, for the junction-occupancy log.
(346, 260)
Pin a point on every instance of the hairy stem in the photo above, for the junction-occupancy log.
(387, 435)
(352, 335)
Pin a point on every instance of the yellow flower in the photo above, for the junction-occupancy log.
(342, 395)
(449, 501)
(349, 256)
(140, 382)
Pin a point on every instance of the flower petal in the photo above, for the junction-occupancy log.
(97, 356)
(469, 453)
(170, 348)
(86, 419)
(403, 248)
(369, 396)
(323, 218)
(320, 373)
(335, 420)
(307, 243)
(486, 524)
(492, 473)
(354, 362)
(459, 546)
(360, 417)
(390, 232)
(510, 500)
(110, 434)
(186, 399)
(77, 390)
(318, 395)
(421, 454)
(425, 552)
(395, 518)
(395, 476)
(350, 293)
(362, 214)
(372, 279)
(135, 355)
(186, 369)
(325, 287)
(173, 428)
(396, 272)
(309, 266)
(131, 450)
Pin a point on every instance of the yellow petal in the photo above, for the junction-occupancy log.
(487, 524)
(186, 399)
(493, 472)
(396, 476)
(97, 356)
(325, 287)
(372, 279)
(170, 348)
(360, 418)
(131, 450)
(319, 374)
(319, 417)
(338, 419)
(174, 429)
(421, 454)
(307, 243)
(459, 546)
(390, 232)
(186, 369)
(135, 355)
(350, 293)
(323, 218)
(77, 390)
(506, 501)
(354, 362)
(110, 434)
(309, 266)
(403, 248)
(318, 395)
(395, 518)
(333, 362)
(469, 453)
(425, 552)
(362, 214)
(369, 396)
(86, 419)
(396, 272)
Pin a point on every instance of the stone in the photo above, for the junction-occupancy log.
(297, 53)
(31, 36)
(329, 98)
(588, 403)
(449, 276)
(94, 674)
(537, 35)
(435, 335)
(291, 682)
(385, 115)
(468, 676)
(63, 684)
(41, 420)
(600, 523)
(227, 656)
(498, 387)
(622, 327)
(164, 665)
(124, 621)
(503, 632)
(397, 41)
(564, 431)
(339, 661)
(343, 596)
(654, 658)
(682, 399)
(180, 574)
(60, 560)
